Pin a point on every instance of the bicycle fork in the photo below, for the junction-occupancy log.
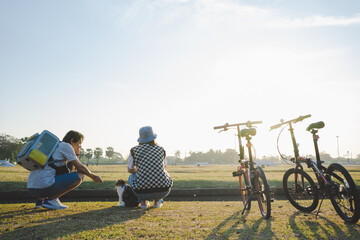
(251, 177)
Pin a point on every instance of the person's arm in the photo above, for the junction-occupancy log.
(165, 163)
(83, 169)
(131, 168)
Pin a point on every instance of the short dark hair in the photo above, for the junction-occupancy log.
(152, 143)
(74, 136)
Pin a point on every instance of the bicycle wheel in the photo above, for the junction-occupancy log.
(263, 193)
(343, 193)
(305, 195)
(244, 183)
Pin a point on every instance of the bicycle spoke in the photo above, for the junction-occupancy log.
(343, 193)
(262, 193)
(304, 194)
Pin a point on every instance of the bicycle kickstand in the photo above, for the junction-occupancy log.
(317, 213)
(247, 203)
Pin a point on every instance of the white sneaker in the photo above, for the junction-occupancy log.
(53, 204)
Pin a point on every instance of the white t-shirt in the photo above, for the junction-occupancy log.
(45, 177)
(64, 152)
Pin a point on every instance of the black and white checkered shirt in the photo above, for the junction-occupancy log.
(151, 175)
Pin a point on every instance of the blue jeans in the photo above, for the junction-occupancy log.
(61, 182)
(147, 196)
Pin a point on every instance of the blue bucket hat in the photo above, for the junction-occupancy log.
(146, 135)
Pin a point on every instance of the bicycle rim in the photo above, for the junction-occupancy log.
(343, 193)
(304, 194)
(263, 193)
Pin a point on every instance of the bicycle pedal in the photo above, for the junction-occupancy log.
(236, 174)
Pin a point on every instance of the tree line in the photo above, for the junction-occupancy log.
(95, 156)
(230, 156)
(10, 146)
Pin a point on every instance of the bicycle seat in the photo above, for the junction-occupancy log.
(248, 132)
(316, 125)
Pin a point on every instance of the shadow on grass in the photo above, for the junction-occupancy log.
(66, 225)
(311, 228)
(11, 214)
(238, 225)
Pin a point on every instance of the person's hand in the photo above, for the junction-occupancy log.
(96, 179)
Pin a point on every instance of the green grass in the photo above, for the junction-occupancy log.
(175, 220)
(187, 176)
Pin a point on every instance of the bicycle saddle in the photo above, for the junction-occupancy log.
(316, 125)
(248, 132)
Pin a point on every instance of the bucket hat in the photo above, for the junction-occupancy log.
(146, 134)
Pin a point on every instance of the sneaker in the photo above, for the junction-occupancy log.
(157, 204)
(146, 205)
(53, 204)
(38, 203)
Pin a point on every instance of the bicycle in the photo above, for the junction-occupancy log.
(334, 182)
(251, 182)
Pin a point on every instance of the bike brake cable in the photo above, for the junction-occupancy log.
(278, 149)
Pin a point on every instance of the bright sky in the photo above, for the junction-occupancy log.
(107, 68)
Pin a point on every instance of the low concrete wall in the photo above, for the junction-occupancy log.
(111, 193)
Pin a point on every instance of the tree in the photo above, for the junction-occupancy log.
(109, 153)
(9, 147)
(82, 153)
(98, 152)
(88, 155)
(118, 156)
(177, 154)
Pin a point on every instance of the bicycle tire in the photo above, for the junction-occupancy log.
(263, 198)
(244, 183)
(302, 198)
(343, 193)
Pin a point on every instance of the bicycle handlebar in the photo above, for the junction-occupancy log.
(248, 123)
(295, 120)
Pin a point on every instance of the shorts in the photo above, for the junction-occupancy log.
(152, 196)
(147, 196)
(61, 182)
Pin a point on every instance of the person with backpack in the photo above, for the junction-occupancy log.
(55, 179)
(146, 163)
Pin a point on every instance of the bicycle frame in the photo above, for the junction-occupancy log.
(334, 181)
(241, 147)
(295, 145)
(317, 167)
(246, 164)
(250, 186)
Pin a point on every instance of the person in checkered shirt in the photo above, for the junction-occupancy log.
(146, 165)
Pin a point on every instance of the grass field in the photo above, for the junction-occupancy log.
(175, 220)
(184, 176)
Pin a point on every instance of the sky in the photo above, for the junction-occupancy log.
(107, 68)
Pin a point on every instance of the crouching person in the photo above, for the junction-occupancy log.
(147, 162)
(55, 179)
